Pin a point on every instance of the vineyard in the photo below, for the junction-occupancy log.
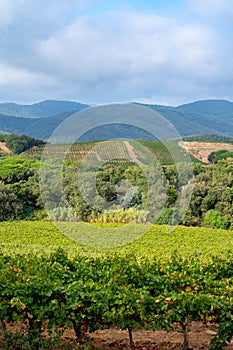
(163, 280)
(55, 292)
(42, 237)
(78, 151)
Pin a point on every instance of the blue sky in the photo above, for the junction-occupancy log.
(100, 51)
(104, 6)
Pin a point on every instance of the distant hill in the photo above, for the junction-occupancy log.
(209, 138)
(209, 107)
(42, 128)
(192, 119)
(203, 117)
(36, 127)
(41, 109)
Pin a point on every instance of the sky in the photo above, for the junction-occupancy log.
(103, 51)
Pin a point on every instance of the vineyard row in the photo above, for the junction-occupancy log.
(90, 293)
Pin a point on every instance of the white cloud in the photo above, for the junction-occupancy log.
(210, 7)
(12, 76)
(52, 12)
(118, 56)
(130, 53)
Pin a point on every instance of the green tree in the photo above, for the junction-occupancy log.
(132, 198)
(10, 205)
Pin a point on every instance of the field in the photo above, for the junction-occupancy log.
(78, 151)
(37, 237)
(197, 150)
(55, 290)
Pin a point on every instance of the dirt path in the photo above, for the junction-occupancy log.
(4, 148)
(132, 154)
(201, 150)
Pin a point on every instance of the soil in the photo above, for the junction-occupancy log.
(115, 339)
(201, 150)
(4, 148)
(132, 155)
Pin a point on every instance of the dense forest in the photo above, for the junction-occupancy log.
(123, 187)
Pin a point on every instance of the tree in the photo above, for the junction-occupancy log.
(19, 144)
(10, 205)
(132, 198)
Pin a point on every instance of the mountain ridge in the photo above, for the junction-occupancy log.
(41, 109)
(199, 117)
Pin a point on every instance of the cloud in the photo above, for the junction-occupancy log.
(129, 53)
(212, 7)
(18, 77)
(60, 52)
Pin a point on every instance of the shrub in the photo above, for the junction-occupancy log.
(215, 219)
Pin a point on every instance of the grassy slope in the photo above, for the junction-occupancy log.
(41, 236)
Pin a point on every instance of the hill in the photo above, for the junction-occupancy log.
(36, 127)
(209, 107)
(203, 117)
(209, 138)
(41, 109)
(191, 119)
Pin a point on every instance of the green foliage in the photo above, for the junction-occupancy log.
(124, 185)
(212, 190)
(18, 144)
(215, 157)
(63, 214)
(121, 216)
(56, 292)
(10, 205)
(132, 198)
(215, 219)
(172, 196)
(15, 169)
(168, 216)
(37, 237)
(209, 138)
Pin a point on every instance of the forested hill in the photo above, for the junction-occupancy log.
(202, 117)
(41, 119)
(41, 109)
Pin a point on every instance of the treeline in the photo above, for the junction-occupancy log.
(18, 144)
(209, 138)
(125, 190)
(49, 294)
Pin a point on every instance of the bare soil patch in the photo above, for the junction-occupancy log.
(4, 148)
(115, 339)
(201, 150)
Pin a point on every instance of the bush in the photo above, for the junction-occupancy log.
(123, 216)
(132, 198)
(168, 216)
(215, 219)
